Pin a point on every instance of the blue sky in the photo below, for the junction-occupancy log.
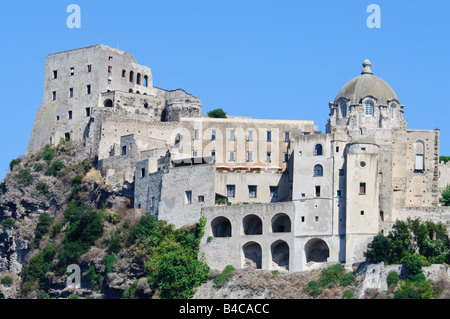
(281, 59)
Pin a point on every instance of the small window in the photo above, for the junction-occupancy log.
(232, 135)
(110, 58)
(252, 191)
(317, 189)
(393, 108)
(70, 115)
(285, 157)
(318, 150)
(72, 71)
(89, 67)
(54, 96)
(109, 68)
(55, 74)
(124, 73)
(249, 156)
(362, 213)
(88, 111)
(268, 157)
(131, 76)
(194, 153)
(143, 172)
(145, 80)
(138, 78)
(318, 170)
(362, 188)
(303, 219)
(269, 136)
(88, 89)
(368, 108)
(337, 149)
(67, 136)
(57, 117)
(274, 191)
(124, 150)
(213, 134)
(70, 92)
(196, 134)
(230, 190)
(343, 107)
(188, 197)
(316, 218)
(201, 199)
(231, 156)
(286, 136)
(338, 193)
(213, 153)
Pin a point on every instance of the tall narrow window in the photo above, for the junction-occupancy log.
(88, 89)
(317, 191)
(72, 71)
(138, 78)
(362, 188)
(231, 156)
(213, 134)
(131, 76)
(318, 150)
(54, 96)
(70, 92)
(393, 106)
(252, 191)
(55, 74)
(286, 136)
(268, 157)
(343, 106)
(249, 156)
(273, 191)
(196, 134)
(124, 73)
(188, 198)
(250, 136)
(230, 190)
(89, 67)
(269, 136)
(419, 148)
(109, 68)
(69, 115)
(232, 135)
(145, 80)
(368, 108)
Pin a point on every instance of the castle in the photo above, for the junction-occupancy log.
(276, 194)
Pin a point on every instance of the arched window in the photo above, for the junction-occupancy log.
(138, 78)
(124, 73)
(317, 250)
(343, 107)
(108, 103)
(280, 254)
(368, 108)
(131, 76)
(252, 255)
(221, 227)
(318, 150)
(252, 225)
(318, 170)
(145, 80)
(419, 148)
(393, 106)
(281, 223)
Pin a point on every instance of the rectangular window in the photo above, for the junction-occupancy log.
(57, 117)
(213, 153)
(201, 199)
(213, 134)
(338, 193)
(194, 153)
(230, 190)
(268, 155)
(72, 71)
(153, 202)
(252, 191)
(124, 150)
(67, 136)
(337, 149)
(231, 157)
(269, 136)
(88, 111)
(362, 188)
(285, 157)
(71, 92)
(286, 136)
(196, 134)
(70, 115)
(249, 156)
(250, 136)
(188, 197)
(89, 67)
(274, 191)
(109, 68)
(143, 172)
(54, 96)
(362, 213)
(55, 74)
(232, 135)
(316, 218)
(88, 89)
(110, 58)
(317, 188)
(303, 219)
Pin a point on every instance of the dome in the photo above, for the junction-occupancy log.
(365, 85)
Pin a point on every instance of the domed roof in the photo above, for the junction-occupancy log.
(365, 85)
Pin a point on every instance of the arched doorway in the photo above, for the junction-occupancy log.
(252, 225)
(317, 250)
(280, 255)
(221, 227)
(252, 255)
(281, 223)
(108, 103)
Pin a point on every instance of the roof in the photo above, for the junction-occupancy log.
(366, 85)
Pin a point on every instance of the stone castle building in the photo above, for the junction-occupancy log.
(277, 194)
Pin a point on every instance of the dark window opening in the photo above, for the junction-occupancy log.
(362, 188)
(252, 225)
(67, 136)
(70, 115)
(71, 92)
(201, 199)
(131, 76)
(124, 150)
(89, 67)
(252, 191)
(55, 74)
(221, 227)
(72, 71)
(124, 73)
(109, 68)
(54, 96)
(108, 103)
(143, 172)
(88, 89)
(138, 78)
(318, 150)
(317, 188)
(145, 80)
(88, 111)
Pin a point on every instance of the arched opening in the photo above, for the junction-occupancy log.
(419, 149)
(221, 227)
(318, 150)
(145, 80)
(252, 225)
(280, 255)
(252, 255)
(318, 170)
(108, 103)
(316, 250)
(131, 76)
(281, 223)
(138, 78)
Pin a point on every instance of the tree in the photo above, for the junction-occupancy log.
(445, 196)
(217, 113)
(379, 249)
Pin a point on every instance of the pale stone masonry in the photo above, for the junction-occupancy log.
(276, 194)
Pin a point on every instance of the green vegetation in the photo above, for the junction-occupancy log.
(43, 227)
(7, 222)
(222, 278)
(332, 276)
(13, 163)
(44, 189)
(24, 177)
(6, 281)
(217, 113)
(444, 159)
(54, 168)
(445, 196)
(429, 238)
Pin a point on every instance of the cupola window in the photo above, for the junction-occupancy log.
(393, 106)
(368, 108)
(343, 106)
